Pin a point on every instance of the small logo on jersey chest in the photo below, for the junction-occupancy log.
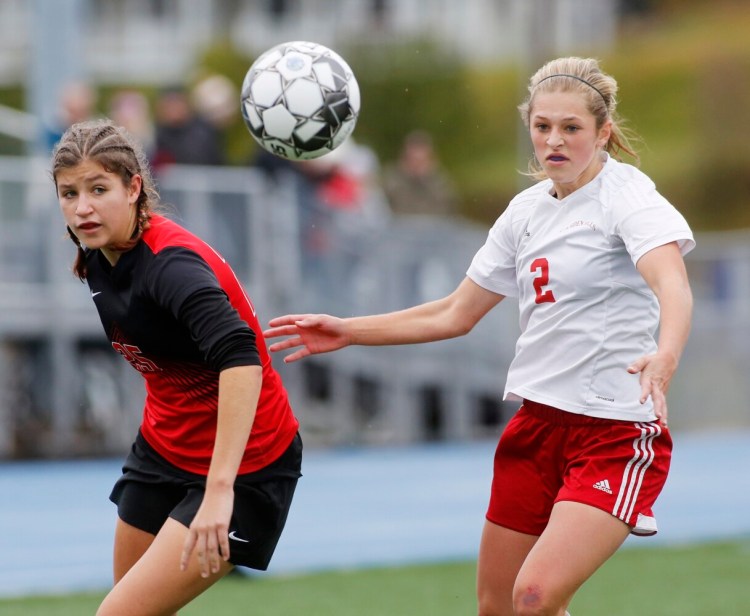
(581, 223)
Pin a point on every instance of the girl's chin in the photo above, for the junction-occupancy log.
(91, 243)
(559, 178)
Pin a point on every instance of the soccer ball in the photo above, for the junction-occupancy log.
(300, 100)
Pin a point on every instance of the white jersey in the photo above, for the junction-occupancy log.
(585, 312)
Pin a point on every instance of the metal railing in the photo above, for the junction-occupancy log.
(65, 393)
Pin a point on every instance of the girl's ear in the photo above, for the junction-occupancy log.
(136, 183)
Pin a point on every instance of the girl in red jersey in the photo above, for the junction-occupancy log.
(594, 255)
(210, 478)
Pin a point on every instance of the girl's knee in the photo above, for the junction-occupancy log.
(533, 599)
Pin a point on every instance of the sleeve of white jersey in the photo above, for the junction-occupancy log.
(494, 265)
(646, 220)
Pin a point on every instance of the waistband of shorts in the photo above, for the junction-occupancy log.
(558, 417)
(287, 465)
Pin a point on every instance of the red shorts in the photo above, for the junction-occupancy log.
(546, 455)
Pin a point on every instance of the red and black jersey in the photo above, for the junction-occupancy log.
(175, 310)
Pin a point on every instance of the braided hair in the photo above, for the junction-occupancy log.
(115, 150)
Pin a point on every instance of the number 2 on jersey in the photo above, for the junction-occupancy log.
(541, 265)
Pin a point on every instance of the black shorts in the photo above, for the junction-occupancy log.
(152, 490)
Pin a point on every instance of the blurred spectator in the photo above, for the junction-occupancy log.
(130, 109)
(216, 99)
(215, 102)
(342, 209)
(77, 103)
(182, 135)
(347, 188)
(274, 167)
(416, 183)
(341, 212)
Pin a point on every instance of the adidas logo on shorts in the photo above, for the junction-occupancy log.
(603, 485)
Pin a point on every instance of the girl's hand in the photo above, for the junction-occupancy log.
(315, 333)
(656, 373)
(208, 534)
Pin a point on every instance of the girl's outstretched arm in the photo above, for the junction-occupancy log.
(449, 317)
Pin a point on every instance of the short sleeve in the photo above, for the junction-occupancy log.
(494, 265)
(646, 220)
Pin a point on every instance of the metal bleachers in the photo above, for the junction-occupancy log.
(64, 393)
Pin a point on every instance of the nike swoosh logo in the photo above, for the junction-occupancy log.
(95, 293)
(233, 535)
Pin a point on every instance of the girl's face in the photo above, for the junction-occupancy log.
(566, 141)
(97, 207)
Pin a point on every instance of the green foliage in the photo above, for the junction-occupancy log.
(412, 85)
(470, 113)
(683, 88)
(12, 97)
(678, 581)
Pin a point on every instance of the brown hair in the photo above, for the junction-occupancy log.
(115, 150)
(599, 90)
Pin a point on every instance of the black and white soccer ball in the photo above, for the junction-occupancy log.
(300, 100)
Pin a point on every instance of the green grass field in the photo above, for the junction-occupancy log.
(699, 580)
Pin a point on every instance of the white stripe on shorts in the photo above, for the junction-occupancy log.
(632, 477)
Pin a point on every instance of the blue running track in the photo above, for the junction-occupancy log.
(353, 508)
